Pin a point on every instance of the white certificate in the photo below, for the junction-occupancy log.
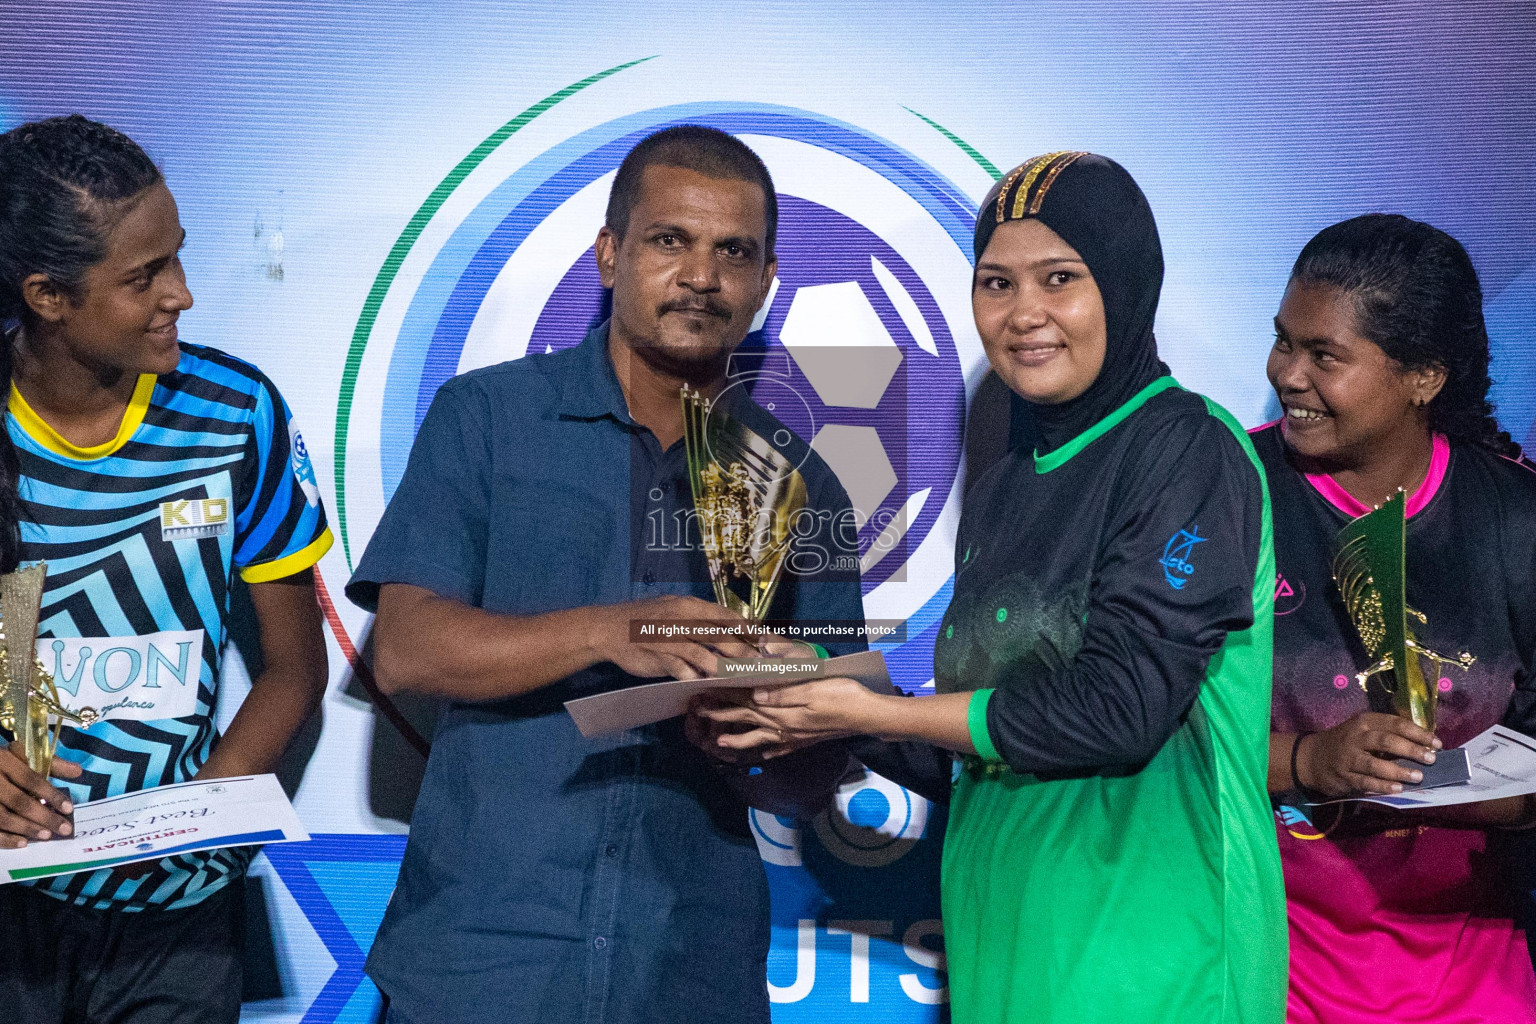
(162, 822)
(1502, 763)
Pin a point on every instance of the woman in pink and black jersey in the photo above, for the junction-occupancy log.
(1381, 364)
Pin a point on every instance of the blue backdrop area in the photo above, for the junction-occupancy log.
(379, 195)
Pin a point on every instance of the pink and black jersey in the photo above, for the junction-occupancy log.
(1391, 923)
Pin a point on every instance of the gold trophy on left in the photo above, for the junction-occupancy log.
(30, 708)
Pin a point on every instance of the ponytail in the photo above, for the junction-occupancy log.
(64, 184)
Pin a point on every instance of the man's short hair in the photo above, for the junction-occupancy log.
(693, 147)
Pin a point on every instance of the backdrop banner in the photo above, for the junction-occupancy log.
(379, 196)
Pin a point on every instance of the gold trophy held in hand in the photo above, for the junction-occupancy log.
(1371, 574)
(30, 708)
(746, 494)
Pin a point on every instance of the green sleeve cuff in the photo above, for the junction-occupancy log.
(976, 720)
(821, 652)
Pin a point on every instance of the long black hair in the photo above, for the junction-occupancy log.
(64, 184)
(1417, 296)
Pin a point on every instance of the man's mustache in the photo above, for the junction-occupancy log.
(701, 305)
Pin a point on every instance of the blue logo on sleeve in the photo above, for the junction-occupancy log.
(303, 469)
(1175, 561)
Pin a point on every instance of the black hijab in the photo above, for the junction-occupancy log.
(1098, 209)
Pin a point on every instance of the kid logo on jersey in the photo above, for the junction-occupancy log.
(134, 678)
(303, 470)
(194, 518)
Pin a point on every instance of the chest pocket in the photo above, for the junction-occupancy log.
(556, 543)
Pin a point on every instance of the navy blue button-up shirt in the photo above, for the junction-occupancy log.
(550, 878)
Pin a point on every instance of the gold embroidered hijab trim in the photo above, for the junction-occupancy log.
(1050, 179)
(1002, 195)
(1042, 169)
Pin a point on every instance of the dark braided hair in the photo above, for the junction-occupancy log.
(1417, 296)
(64, 184)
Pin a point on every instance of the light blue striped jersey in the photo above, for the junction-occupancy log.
(207, 475)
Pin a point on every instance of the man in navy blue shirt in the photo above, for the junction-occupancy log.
(550, 878)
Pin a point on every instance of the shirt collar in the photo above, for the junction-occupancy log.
(590, 387)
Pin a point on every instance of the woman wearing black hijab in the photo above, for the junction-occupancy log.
(1104, 668)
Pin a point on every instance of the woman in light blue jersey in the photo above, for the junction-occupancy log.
(145, 472)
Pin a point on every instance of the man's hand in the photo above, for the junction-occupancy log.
(705, 734)
(1357, 756)
(29, 807)
(440, 647)
(610, 638)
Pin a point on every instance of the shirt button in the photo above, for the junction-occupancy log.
(612, 849)
(666, 486)
(648, 578)
(599, 943)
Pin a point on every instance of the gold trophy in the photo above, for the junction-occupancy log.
(30, 708)
(1369, 569)
(746, 494)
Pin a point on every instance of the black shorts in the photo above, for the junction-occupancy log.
(62, 964)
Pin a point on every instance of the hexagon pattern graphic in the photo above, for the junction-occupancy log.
(858, 458)
(839, 343)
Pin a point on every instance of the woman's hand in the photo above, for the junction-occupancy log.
(1357, 756)
(769, 722)
(29, 807)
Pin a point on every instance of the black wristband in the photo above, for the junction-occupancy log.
(1296, 749)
